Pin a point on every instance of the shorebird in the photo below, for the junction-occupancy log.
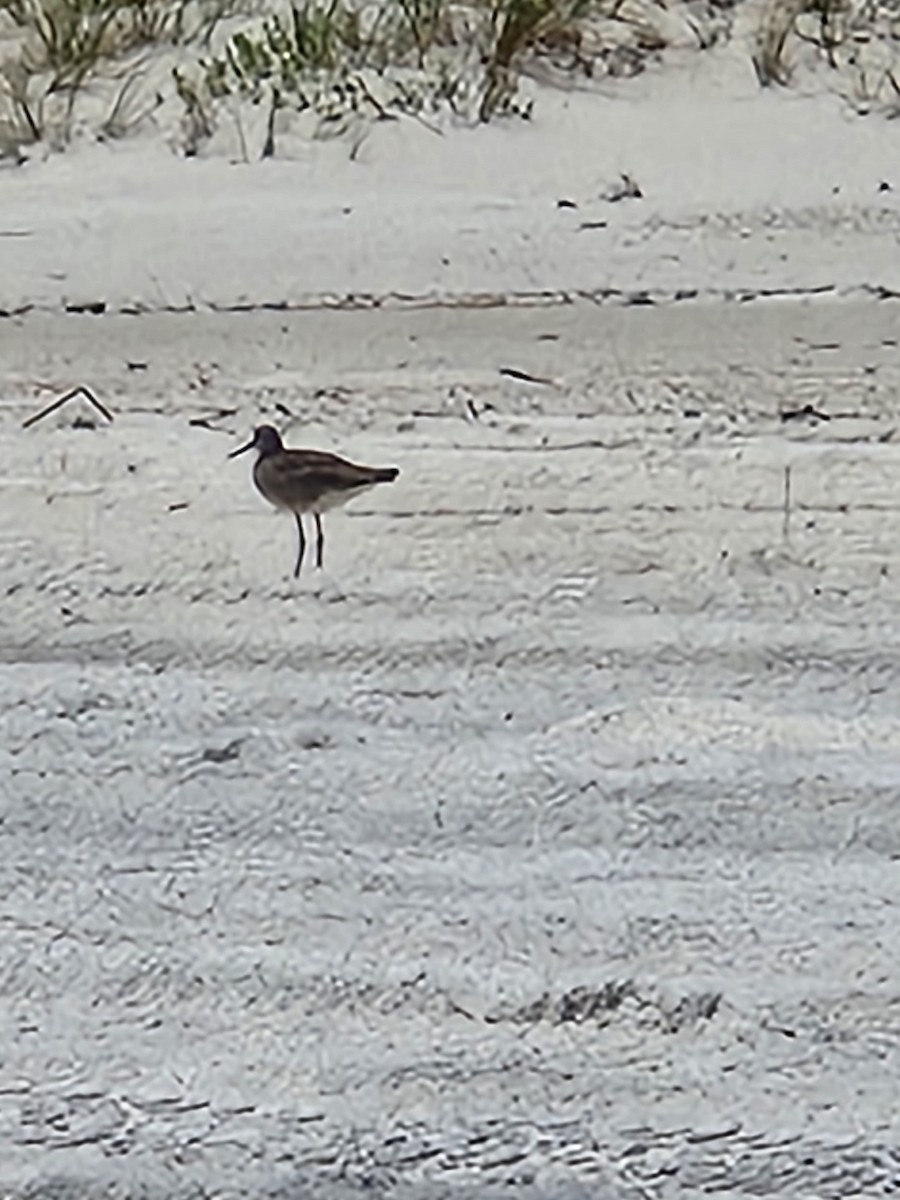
(301, 481)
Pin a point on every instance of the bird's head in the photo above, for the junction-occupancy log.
(266, 441)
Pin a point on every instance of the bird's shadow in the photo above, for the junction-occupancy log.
(318, 585)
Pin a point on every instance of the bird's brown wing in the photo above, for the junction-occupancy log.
(329, 471)
(298, 478)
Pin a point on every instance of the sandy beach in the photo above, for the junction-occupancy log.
(542, 845)
(547, 839)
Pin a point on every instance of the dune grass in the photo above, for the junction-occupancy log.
(418, 57)
(337, 57)
(55, 47)
(360, 60)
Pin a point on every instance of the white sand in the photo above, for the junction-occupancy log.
(288, 868)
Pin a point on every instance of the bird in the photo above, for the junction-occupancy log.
(302, 481)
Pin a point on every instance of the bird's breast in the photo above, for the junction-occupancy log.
(275, 488)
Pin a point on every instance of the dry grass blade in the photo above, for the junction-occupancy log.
(23, 121)
(517, 25)
(775, 27)
(779, 24)
(125, 114)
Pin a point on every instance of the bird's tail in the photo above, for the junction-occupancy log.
(385, 474)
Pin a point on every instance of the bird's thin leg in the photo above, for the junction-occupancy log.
(320, 541)
(301, 546)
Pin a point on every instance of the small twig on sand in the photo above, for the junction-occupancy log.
(81, 390)
(795, 414)
(851, 840)
(524, 376)
(786, 525)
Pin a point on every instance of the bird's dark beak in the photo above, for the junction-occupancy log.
(243, 449)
